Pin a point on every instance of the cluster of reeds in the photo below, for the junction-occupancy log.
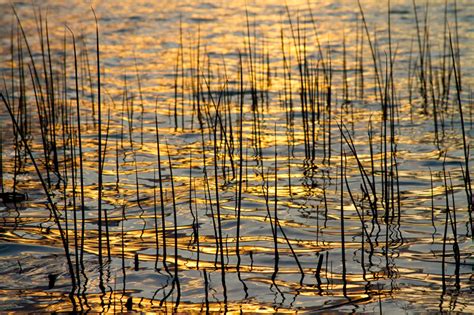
(55, 101)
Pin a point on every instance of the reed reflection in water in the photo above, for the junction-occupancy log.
(202, 157)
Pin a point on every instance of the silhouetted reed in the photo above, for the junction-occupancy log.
(220, 119)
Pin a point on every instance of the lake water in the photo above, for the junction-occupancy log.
(341, 186)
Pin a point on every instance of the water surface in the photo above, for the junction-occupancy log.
(179, 62)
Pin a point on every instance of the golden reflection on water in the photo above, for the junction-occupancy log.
(148, 70)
